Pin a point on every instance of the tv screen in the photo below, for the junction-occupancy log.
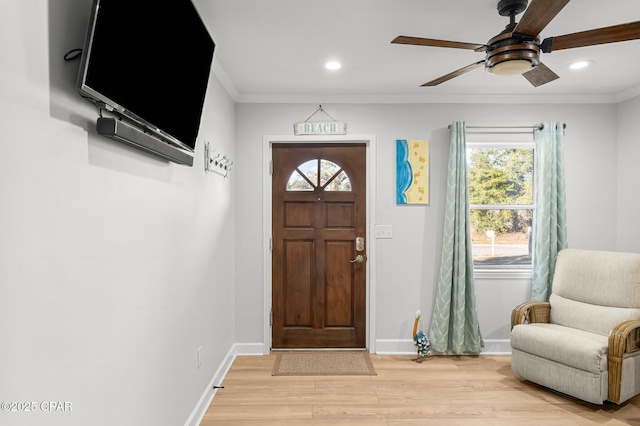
(150, 62)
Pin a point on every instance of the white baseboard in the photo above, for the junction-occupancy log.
(251, 349)
(395, 347)
(496, 347)
(406, 347)
(207, 396)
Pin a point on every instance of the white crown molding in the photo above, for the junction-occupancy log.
(255, 98)
(433, 99)
(628, 94)
(224, 79)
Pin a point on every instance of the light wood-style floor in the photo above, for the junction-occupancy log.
(440, 391)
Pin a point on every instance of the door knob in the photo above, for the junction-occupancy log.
(359, 259)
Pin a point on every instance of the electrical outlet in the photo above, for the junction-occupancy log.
(384, 231)
(199, 357)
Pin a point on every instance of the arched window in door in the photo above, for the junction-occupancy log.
(331, 177)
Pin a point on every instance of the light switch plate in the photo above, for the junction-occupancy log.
(384, 231)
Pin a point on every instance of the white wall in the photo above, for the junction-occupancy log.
(115, 266)
(628, 183)
(407, 264)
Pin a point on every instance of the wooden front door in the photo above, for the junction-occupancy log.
(319, 229)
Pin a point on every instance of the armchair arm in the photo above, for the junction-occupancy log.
(622, 339)
(530, 312)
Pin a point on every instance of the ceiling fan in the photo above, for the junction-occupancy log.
(516, 50)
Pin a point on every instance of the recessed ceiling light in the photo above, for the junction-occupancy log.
(333, 65)
(578, 65)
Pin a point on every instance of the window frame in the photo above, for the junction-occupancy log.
(319, 185)
(503, 140)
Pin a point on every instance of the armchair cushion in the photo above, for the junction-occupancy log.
(588, 317)
(569, 346)
(598, 277)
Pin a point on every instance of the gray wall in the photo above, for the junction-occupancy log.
(115, 266)
(628, 184)
(406, 266)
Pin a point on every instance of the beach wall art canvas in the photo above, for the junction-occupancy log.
(412, 171)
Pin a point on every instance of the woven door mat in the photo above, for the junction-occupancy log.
(323, 363)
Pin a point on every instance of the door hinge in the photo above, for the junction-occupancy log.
(271, 317)
(271, 167)
(271, 243)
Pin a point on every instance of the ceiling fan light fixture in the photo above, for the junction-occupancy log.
(512, 67)
(511, 56)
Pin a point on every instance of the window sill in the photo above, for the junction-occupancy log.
(503, 274)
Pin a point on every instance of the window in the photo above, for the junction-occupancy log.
(501, 203)
(331, 177)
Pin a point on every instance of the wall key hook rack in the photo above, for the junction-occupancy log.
(216, 162)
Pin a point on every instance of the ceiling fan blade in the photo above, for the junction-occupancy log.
(453, 74)
(538, 15)
(613, 34)
(540, 75)
(419, 41)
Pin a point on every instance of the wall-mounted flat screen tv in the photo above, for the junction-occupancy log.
(148, 62)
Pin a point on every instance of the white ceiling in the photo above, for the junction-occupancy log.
(275, 50)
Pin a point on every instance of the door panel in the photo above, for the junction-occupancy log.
(340, 215)
(339, 297)
(298, 283)
(298, 215)
(319, 209)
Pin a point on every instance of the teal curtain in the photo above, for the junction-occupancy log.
(549, 217)
(454, 324)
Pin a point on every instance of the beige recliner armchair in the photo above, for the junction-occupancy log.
(584, 341)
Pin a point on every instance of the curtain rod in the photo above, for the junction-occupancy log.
(537, 126)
